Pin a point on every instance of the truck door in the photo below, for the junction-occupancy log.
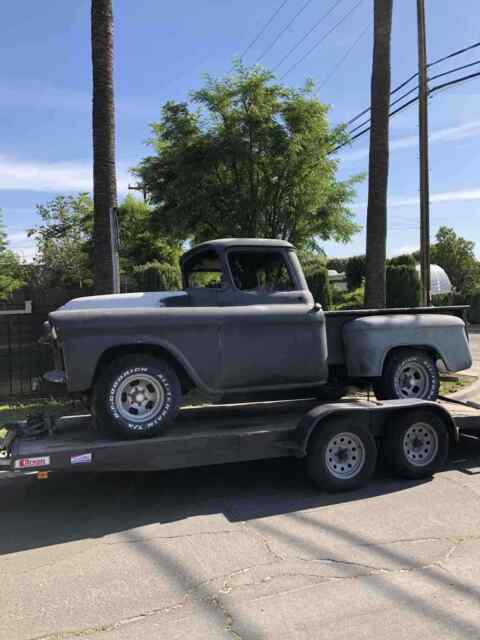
(274, 336)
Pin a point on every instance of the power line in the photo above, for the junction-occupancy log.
(454, 54)
(407, 93)
(344, 58)
(452, 82)
(311, 30)
(289, 24)
(264, 28)
(319, 42)
(446, 73)
(393, 103)
(415, 75)
(439, 87)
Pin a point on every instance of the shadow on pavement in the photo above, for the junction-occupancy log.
(70, 507)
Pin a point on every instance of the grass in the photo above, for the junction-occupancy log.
(452, 386)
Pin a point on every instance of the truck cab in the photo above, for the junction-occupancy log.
(243, 272)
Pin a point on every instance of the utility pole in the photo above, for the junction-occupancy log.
(424, 169)
(139, 187)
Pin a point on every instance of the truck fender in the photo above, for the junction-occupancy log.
(370, 339)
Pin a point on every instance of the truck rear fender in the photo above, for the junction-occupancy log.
(370, 340)
(377, 418)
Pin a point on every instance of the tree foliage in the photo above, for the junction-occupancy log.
(355, 272)
(254, 160)
(65, 245)
(11, 269)
(456, 256)
(63, 242)
(403, 286)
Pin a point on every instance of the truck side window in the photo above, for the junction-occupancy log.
(204, 271)
(263, 271)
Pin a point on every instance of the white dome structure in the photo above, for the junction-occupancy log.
(440, 282)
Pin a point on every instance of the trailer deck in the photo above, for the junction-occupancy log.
(204, 435)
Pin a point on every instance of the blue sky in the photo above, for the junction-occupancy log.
(162, 52)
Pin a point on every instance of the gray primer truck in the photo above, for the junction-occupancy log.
(245, 323)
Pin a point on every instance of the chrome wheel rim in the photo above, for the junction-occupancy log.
(139, 397)
(412, 381)
(420, 444)
(345, 455)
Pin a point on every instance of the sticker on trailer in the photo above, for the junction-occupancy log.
(84, 458)
(31, 463)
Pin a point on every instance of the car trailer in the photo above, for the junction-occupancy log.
(339, 442)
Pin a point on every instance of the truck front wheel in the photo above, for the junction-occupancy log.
(409, 373)
(136, 396)
(341, 455)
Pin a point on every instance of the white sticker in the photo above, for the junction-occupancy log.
(28, 463)
(84, 458)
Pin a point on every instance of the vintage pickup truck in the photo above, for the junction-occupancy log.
(245, 323)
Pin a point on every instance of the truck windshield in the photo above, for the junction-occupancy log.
(260, 271)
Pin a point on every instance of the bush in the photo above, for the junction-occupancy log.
(355, 271)
(405, 260)
(319, 285)
(337, 264)
(474, 315)
(403, 286)
(157, 276)
(346, 301)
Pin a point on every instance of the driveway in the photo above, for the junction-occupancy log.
(242, 551)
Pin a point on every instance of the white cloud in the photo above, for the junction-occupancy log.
(52, 176)
(465, 195)
(21, 244)
(448, 134)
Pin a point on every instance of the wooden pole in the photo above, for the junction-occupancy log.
(424, 165)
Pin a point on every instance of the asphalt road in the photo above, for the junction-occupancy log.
(241, 551)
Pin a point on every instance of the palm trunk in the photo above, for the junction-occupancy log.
(103, 120)
(375, 294)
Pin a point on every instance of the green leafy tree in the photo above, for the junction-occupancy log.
(149, 262)
(254, 159)
(65, 246)
(456, 256)
(63, 240)
(11, 268)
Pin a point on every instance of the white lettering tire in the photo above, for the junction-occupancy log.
(136, 396)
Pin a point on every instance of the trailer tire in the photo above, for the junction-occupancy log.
(341, 456)
(416, 445)
(409, 373)
(136, 396)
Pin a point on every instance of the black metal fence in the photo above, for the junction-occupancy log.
(23, 361)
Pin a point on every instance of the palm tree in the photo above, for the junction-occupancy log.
(375, 296)
(104, 174)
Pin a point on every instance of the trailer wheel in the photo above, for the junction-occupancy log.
(341, 456)
(136, 396)
(409, 373)
(416, 444)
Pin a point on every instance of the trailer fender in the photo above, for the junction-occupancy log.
(319, 416)
(376, 417)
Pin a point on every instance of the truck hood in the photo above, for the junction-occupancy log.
(150, 300)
